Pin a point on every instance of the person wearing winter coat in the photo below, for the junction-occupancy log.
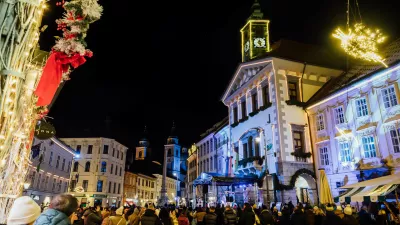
(134, 217)
(331, 218)
(298, 217)
(382, 218)
(92, 216)
(365, 217)
(183, 219)
(319, 216)
(266, 217)
(348, 218)
(164, 217)
(118, 219)
(248, 217)
(211, 217)
(309, 214)
(149, 217)
(23, 211)
(200, 216)
(60, 209)
(229, 216)
(285, 218)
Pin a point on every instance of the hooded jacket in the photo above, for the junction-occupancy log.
(150, 218)
(248, 217)
(229, 217)
(52, 217)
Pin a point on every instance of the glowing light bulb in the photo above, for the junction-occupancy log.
(30, 46)
(26, 53)
(44, 6)
(3, 162)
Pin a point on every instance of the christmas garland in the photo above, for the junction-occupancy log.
(70, 49)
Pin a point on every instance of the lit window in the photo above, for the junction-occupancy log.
(323, 152)
(362, 108)
(85, 185)
(254, 102)
(368, 143)
(265, 95)
(103, 167)
(320, 122)
(87, 166)
(389, 97)
(99, 186)
(90, 149)
(395, 134)
(345, 153)
(339, 115)
(244, 109)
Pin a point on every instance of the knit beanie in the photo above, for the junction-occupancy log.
(348, 210)
(329, 207)
(24, 211)
(119, 211)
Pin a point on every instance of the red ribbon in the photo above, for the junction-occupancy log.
(57, 64)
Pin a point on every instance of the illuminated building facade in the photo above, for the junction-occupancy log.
(97, 176)
(191, 175)
(50, 169)
(355, 123)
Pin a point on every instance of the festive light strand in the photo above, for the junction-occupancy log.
(361, 42)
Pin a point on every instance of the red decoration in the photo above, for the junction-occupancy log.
(57, 64)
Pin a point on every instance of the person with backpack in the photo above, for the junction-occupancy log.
(211, 217)
(118, 219)
(248, 217)
(229, 216)
(149, 217)
(92, 216)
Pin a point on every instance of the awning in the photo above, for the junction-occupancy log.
(224, 179)
(390, 179)
(366, 194)
(393, 118)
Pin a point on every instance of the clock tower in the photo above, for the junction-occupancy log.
(255, 35)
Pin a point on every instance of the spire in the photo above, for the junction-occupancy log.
(173, 138)
(144, 142)
(256, 8)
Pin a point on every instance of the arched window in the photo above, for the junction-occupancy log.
(257, 147)
(87, 166)
(103, 167)
(111, 168)
(76, 164)
(250, 146)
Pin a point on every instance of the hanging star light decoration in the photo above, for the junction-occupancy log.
(361, 42)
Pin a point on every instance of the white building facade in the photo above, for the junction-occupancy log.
(171, 186)
(50, 169)
(355, 127)
(97, 176)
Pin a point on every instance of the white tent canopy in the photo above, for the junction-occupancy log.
(390, 179)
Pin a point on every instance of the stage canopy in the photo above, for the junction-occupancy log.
(223, 179)
(371, 190)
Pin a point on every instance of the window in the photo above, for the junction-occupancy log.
(65, 186)
(87, 166)
(211, 145)
(90, 149)
(122, 155)
(208, 147)
(389, 97)
(115, 187)
(362, 108)
(298, 140)
(76, 164)
(243, 106)
(57, 162)
(69, 166)
(265, 95)
(152, 184)
(368, 143)
(120, 171)
(208, 165)
(63, 165)
(59, 185)
(113, 152)
(103, 167)
(345, 152)
(235, 114)
(105, 149)
(339, 115)
(109, 187)
(254, 102)
(111, 168)
(78, 148)
(73, 185)
(99, 186)
(395, 135)
(320, 122)
(39, 181)
(211, 163)
(323, 153)
(85, 185)
(116, 169)
(292, 87)
(33, 178)
(119, 188)
(54, 184)
(51, 158)
(117, 154)
(142, 182)
(245, 151)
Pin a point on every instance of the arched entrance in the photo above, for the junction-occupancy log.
(306, 188)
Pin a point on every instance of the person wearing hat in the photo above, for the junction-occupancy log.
(23, 211)
(348, 219)
(118, 219)
(331, 217)
(149, 217)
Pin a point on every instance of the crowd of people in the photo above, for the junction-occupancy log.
(64, 210)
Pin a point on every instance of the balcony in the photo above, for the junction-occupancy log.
(300, 155)
(250, 165)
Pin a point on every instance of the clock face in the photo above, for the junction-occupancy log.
(259, 42)
(247, 46)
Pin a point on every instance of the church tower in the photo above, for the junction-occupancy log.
(143, 150)
(173, 153)
(255, 34)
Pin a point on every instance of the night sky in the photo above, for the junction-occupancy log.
(161, 61)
